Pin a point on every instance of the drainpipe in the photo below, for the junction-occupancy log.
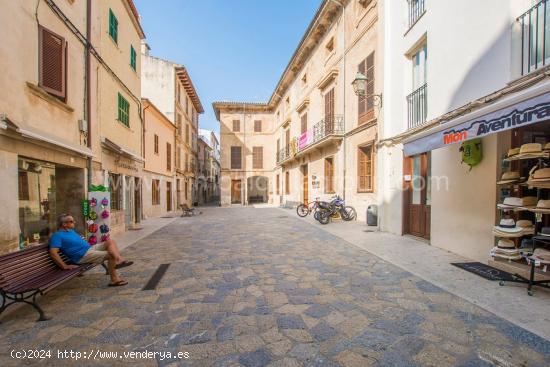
(88, 108)
(344, 96)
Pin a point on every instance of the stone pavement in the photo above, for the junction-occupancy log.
(255, 287)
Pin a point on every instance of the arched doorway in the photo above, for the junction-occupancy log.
(257, 189)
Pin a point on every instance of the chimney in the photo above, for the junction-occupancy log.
(145, 48)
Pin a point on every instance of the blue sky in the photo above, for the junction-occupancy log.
(233, 49)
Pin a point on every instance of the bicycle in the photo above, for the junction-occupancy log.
(304, 210)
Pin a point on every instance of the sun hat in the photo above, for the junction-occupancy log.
(530, 150)
(505, 251)
(543, 206)
(505, 243)
(542, 255)
(512, 152)
(542, 174)
(546, 147)
(509, 177)
(507, 257)
(512, 202)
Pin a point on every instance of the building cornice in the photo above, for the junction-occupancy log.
(184, 78)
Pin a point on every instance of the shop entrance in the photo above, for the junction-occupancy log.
(235, 191)
(305, 184)
(168, 196)
(417, 195)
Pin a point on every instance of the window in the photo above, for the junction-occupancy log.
(236, 126)
(257, 157)
(419, 66)
(132, 57)
(329, 176)
(187, 133)
(417, 101)
(179, 158)
(287, 182)
(186, 105)
(416, 9)
(303, 123)
(156, 142)
(186, 189)
(168, 157)
(187, 162)
(113, 26)
(366, 102)
(304, 79)
(329, 111)
(123, 110)
(330, 45)
(115, 187)
(277, 185)
(53, 63)
(155, 191)
(364, 169)
(257, 126)
(236, 158)
(23, 185)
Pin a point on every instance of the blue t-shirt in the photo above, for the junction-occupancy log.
(70, 243)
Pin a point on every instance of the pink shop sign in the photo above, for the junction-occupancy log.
(305, 139)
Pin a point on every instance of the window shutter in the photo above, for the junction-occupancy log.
(361, 99)
(156, 144)
(113, 26)
(236, 126)
(235, 157)
(132, 57)
(364, 168)
(257, 126)
(277, 185)
(187, 133)
(287, 182)
(257, 157)
(329, 175)
(329, 111)
(168, 157)
(370, 81)
(303, 127)
(53, 63)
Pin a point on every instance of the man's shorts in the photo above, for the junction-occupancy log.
(95, 255)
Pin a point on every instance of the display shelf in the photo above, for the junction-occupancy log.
(514, 159)
(517, 267)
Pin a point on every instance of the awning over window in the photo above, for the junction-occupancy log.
(524, 108)
(109, 144)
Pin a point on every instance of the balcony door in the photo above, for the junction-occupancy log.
(417, 195)
(329, 112)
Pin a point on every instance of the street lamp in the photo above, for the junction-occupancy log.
(360, 88)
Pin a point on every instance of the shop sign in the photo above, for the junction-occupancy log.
(85, 208)
(525, 113)
(126, 164)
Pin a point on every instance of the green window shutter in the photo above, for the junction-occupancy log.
(132, 57)
(113, 26)
(123, 110)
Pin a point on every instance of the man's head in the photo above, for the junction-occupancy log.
(65, 221)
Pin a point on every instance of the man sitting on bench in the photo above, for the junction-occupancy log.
(80, 252)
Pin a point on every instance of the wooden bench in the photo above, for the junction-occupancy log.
(186, 211)
(27, 273)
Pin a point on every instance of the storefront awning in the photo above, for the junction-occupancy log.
(28, 132)
(109, 144)
(523, 108)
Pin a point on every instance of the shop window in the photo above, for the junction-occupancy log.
(37, 200)
(115, 187)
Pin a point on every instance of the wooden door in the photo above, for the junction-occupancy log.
(235, 191)
(417, 195)
(329, 111)
(305, 183)
(169, 196)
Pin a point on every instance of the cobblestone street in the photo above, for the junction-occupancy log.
(254, 287)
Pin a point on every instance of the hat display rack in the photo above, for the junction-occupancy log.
(99, 218)
(521, 239)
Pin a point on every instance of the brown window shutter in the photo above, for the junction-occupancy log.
(370, 82)
(364, 169)
(257, 157)
(168, 156)
(257, 126)
(236, 158)
(361, 100)
(156, 140)
(53, 63)
(187, 133)
(329, 111)
(236, 126)
(303, 127)
(277, 185)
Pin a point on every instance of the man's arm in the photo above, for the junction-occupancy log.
(54, 253)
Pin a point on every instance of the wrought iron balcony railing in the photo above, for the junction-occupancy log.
(535, 37)
(416, 9)
(283, 153)
(417, 109)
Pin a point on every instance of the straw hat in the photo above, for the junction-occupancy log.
(512, 202)
(543, 206)
(542, 255)
(530, 150)
(547, 147)
(505, 251)
(512, 152)
(542, 174)
(505, 243)
(509, 177)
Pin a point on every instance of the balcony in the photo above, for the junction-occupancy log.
(416, 10)
(535, 37)
(323, 133)
(417, 103)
